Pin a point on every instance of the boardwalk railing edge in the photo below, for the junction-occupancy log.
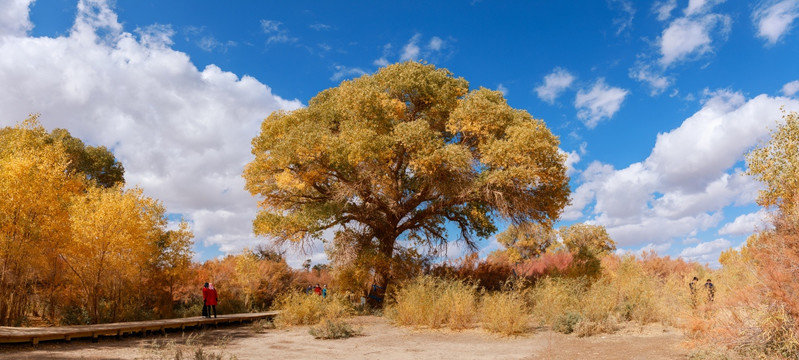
(34, 335)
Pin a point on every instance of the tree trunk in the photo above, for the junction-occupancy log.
(383, 270)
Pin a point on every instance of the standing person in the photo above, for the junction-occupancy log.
(693, 286)
(324, 291)
(711, 291)
(317, 290)
(205, 300)
(213, 298)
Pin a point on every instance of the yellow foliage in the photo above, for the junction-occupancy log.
(433, 303)
(399, 154)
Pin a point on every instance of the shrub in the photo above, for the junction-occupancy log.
(588, 328)
(565, 323)
(433, 302)
(553, 297)
(505, 313)
(297, 308)
(333, 329)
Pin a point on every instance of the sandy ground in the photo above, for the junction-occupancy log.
(379, 340)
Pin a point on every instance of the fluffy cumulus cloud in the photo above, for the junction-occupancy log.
(688, 37)
(774, 19)
(746, 223)
(791, 88)
(691, 175)
(706, 252)
(183, 134)
(554, 84)
(14, 19)
(598, 103)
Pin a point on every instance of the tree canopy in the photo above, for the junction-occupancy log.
(776, 165)
(399, 155)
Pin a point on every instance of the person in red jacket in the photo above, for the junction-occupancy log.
(213, 298)
(317, 290)
(205, 300)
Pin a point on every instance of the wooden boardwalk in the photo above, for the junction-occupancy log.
(35, 334)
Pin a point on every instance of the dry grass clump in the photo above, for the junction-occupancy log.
(553, 297)
(625, 291)
(333, 329)
(297, 308)
(432, 302)
(506, 313)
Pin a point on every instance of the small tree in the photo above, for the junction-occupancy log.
(587, 243)
(388, 160)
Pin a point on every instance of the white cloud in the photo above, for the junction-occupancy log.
(504, 90)
(411, 50)
(746, 224)
(276, 33)
(625, 20)
(706, 252)
(183, 134)
(713, 139)
(655, 79)
(696, 7)
(432, 51)
(381, 62)
(320, 27)
(664, 8)
(691, 37)
(436, 44)
(346, 72)
(791, 88)
(156, 35)
(774, 19)
(601, 102)
(554, 83)
(688, 178)
(14, 19)
(572, 158)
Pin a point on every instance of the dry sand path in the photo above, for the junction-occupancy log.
(380, 340)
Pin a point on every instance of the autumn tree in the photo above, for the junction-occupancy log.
(526, 241)
(95, 163)
(170, 263)
(776, 251)
(389, 160)
(35, 188)
(114, 233)
(587, 243)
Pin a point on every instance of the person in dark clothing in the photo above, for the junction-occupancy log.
(693, 285)
(711, 291)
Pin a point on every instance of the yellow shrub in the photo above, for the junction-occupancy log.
(505, 313)
(553, 297)
(298, 308)
(433, 302)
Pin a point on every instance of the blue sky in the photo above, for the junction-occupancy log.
(655, 102)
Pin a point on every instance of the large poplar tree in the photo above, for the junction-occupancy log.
(393, 159)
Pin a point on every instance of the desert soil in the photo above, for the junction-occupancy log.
(379, 340)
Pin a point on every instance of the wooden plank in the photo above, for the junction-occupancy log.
(36, 334)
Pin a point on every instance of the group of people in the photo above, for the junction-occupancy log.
(318, 290)
(210, 299)
(709, 288)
